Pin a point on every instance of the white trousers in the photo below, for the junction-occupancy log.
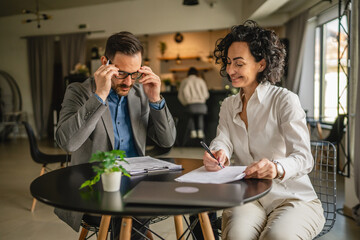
(293, 219)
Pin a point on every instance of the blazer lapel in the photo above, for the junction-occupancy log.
(106, 117)
(134, 106)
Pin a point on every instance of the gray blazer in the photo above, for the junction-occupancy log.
(85, 126)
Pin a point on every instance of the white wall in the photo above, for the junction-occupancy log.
(139, 17)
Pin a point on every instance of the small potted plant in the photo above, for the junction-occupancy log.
(167, 83)
(108, 169)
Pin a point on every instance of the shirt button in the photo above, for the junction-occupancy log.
(118, 122)
(122, 140)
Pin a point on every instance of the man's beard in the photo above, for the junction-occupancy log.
(118, 89)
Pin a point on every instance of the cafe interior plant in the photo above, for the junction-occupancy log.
(108, 169)
(162, 47)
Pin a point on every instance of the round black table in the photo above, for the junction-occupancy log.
(60, 188)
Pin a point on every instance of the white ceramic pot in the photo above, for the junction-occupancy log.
(111, 181)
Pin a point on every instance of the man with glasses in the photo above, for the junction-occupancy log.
(118, 108)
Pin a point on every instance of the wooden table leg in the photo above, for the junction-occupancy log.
(206, 226)
(104, 227)
(126, 225)
(179, 226)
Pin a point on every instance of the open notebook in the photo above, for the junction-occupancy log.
(186, 194)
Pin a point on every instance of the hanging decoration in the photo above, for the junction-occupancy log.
(178, 39)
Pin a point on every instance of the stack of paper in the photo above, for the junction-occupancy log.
(144, 165)
(225, 175)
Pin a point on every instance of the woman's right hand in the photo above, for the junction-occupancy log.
(212, 164)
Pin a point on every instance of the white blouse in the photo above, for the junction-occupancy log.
(277, 131)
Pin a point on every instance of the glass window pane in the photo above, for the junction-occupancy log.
(330, 68)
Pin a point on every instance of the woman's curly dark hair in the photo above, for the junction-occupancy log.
(263, 44)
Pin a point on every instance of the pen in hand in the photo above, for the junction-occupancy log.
(208, 150)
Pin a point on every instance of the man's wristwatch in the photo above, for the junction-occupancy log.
(280, 170)
(158, 102)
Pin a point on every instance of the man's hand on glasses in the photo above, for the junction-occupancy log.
(151, 83)
(102, 78)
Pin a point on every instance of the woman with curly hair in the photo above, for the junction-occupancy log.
(264, 128)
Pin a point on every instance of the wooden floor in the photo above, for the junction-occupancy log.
(17, 170)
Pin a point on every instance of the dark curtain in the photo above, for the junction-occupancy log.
(356, 209)
(73, 51)
(41, 67)
(295, 33)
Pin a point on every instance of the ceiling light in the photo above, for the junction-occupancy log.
(178, 59)
(39, 16)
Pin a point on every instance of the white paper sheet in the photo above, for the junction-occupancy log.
(200, 175)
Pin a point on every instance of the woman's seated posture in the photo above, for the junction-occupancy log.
(264, 128)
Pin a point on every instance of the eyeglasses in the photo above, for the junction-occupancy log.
(123, 74)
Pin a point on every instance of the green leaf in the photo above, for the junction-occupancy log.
(85, 184)
(89, 183)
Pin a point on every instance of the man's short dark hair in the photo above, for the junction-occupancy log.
(123, 42)
(193, 71)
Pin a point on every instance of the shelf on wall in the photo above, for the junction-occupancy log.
(182, 58)
(173, 70)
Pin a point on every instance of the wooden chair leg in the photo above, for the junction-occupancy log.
(126, 225)
(319, 130)
(104, 227)
(179, 226)
(149, 235)
(83, 233)
(33, 205)
(34, 200)
(206, 226)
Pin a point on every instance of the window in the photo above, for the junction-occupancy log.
(330, 93)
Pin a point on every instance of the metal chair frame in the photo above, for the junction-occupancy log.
(95, 229)
(323, 179)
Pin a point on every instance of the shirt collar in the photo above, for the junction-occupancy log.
(261, 90)
(113, 96)
(259, 94)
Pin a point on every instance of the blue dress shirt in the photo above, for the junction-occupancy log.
(124, 138)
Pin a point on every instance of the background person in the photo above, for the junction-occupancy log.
(264, 128)
(192, 94)
(111, 111)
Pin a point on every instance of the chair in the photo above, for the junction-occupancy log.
(335, 136)
(323, 178)
(337, 130)
(94, 228)
(40, 157)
